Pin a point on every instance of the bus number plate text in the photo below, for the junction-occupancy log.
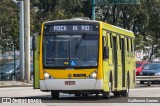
(69, 82)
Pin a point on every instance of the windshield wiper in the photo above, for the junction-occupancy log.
(77, 46)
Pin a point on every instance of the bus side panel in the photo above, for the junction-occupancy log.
(119, 63)
(36, 64)
(127, 67)
(130, 63)
(133, 72)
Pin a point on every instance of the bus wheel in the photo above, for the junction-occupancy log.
(55, 95)
(106, 95)
(141, 82)
(117, 94)
(84, 94)
(77, 94)
(125, 93)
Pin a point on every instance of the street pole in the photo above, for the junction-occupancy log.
(93, 9)
(14, 60)
(27, 39)
(21, 15)
(21, 36)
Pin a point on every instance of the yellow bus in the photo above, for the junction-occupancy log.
(84, 57)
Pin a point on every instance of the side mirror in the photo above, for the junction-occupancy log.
(33, 43)
(105, 52)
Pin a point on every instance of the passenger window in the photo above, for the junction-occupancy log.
(127, 44)
(105, 47)
(131, 45)
(107, 39)
(110, 40)
(119, 42)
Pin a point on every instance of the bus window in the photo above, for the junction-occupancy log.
(110, 40)
(106, 39)
(119, 42)
(127, 44)
(105, 47)
(132, 50)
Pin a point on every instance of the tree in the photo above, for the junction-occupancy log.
(150, 28)
(9, 25)
(53, 10)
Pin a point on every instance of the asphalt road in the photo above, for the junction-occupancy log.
(151, 94)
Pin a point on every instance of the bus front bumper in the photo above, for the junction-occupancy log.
(70, 84)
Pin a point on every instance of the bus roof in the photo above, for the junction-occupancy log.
(105, 26)
(72, 20)
(116, 29)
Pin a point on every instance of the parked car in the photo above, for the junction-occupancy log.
(18, 72)
(7, 71)
(140, 65)
(152, 69)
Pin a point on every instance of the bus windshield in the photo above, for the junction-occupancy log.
(67, 51)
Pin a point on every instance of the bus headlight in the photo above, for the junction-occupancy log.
(93, 75)
(47, 76)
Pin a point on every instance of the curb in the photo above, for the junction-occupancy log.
(16, 86)
(4, 84)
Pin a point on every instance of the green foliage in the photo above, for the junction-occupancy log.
(9, 25)
(48, 10)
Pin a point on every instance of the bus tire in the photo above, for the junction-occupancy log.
(85, 94)
(141, 82)
(77, 94)
(55, 95)
(117, 94)
(125, 93)
(106, 94)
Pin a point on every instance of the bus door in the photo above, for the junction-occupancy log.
(115, 61)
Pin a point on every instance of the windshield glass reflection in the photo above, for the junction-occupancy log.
(70, 50)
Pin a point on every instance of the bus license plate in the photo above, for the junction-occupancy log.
(69, 82)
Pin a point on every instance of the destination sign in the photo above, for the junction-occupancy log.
(71, 28)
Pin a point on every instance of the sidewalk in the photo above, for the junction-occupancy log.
(15, 84)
